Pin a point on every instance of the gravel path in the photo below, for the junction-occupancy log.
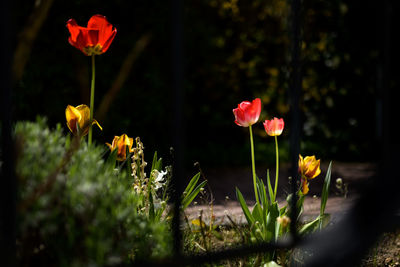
(222, 184)
(336, 206)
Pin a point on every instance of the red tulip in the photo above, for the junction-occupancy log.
(95, 39)
(247, 113)
(274, 127)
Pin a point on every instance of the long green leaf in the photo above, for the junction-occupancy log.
(189, 197)
(128, 161)
(261, 192)
(156, 163)
(153, 164)
(257, 213)
(192, 184)
(151, 209)
(112, 158)
(245, 209)
(309, 227)
(273, 214)
(325, 189)
(300, 206)
(271, 192)
(315, 224)
(264, 200)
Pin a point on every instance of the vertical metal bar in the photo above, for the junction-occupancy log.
(7, 180)
(179, 129)
(294, 97)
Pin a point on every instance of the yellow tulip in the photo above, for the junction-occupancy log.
(309, 168)
(78, 120)
(120, 143)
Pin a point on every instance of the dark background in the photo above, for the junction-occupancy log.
(233, 51)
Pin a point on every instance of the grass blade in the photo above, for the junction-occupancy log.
(325, 190)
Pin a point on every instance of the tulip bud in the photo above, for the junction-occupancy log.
(283, 221)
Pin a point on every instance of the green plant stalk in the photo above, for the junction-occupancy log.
(91, 101)
(253, 165)
(277, 167)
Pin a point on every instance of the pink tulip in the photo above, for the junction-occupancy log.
(274, 127)
(247, 113)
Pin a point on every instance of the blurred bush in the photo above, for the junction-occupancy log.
(73, 209)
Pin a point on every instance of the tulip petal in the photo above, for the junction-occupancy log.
(95, 122)
(239, 117)
(121, 143)
(73, 30)
(101, 24)
(73, 117)
(110, 146)
(274, 127)
(108, 42)
(94, 39)
(247, 113)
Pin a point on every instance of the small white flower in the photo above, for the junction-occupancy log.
(159, 178)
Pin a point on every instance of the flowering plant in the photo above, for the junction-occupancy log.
(78, 120)
(268, 221)
(95, 39)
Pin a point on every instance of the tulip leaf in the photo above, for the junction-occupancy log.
(261, 192)
(257, 213)
(264, 199)
(273, 214)
(271, 192)
(315, 224)
(325, 189)
(245, 209)
(309, 227)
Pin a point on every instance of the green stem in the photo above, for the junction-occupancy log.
(253, 165)
(91, 101)
(277, 166)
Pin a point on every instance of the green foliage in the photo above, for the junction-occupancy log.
(74, 208)
(192, 190)
(325, 189)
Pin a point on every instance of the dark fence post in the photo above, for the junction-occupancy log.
(179, 128)
(8, 181)
(294, 98)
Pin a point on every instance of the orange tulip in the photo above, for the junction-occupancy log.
(78, 120)
(95, 39)
(121, 143)
(274, 127)
(309, 168)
